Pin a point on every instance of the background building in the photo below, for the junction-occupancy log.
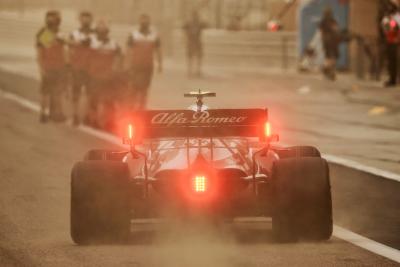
(258, 48)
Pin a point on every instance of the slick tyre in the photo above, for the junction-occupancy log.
(104, 154)
(99, 202)
(302, 200)
(298, 152)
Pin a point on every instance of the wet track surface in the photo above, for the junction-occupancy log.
(36, 160)
(366, 204)
(34, 213)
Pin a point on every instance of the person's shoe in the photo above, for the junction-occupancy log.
(86, 121)
(325, 72)
(95, 125)
(389, 84)
(58, 118)
(332, 76)
(43, 118)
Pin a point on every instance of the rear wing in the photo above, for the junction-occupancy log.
(203, 124)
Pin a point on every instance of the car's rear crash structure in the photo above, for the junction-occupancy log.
(218, 163)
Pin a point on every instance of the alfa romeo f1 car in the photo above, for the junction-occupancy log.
(216, 163)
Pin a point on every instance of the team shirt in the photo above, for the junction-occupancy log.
(142, 47)
(391, 28)
(102, 59)
(80, 50)
(51, 45)
(193, 32)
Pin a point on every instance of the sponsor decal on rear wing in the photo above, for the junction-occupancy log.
(208, 123)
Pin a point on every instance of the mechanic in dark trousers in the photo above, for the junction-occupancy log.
(143, 45)
(330, 40)
(79, 53)
(390, 25)
(105, 60)
(194, 46)
(51, 58)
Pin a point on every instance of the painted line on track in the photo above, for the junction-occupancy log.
(367, 244)
(36, 108)
(339, 232)
(361, 167)
(357, 166)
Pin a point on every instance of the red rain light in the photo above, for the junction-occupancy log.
(200, 184)
(130, 131)
(267, 129)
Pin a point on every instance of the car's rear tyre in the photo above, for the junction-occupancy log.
(302, 200)
(298, 152)
(99, 202)
(104, 154)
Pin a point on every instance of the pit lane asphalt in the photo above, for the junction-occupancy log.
(34, 213)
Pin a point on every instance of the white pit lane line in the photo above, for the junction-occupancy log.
(366, 243)
(357, 166)
(339, 232)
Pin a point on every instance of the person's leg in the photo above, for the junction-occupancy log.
(332, 74)
(198, 66)
(143, 101)
(199, 60)
(94, 110)
(44, 107)
(131, 101)
(142, 84)
(44, 99)
(329, 68)
(52, 105)
(391, 51)
(141, 94)
(108, 102)
(395, 63)
(381, 56)
(325, 66)
(189, 59)
(100, 116)
(329, 59)
(92, 105)
(88, 96)
(56, 99)
(77, 84)
(52, 88)
(147, 77)
(121, 85)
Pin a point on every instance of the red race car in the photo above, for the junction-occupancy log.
(213, 163)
